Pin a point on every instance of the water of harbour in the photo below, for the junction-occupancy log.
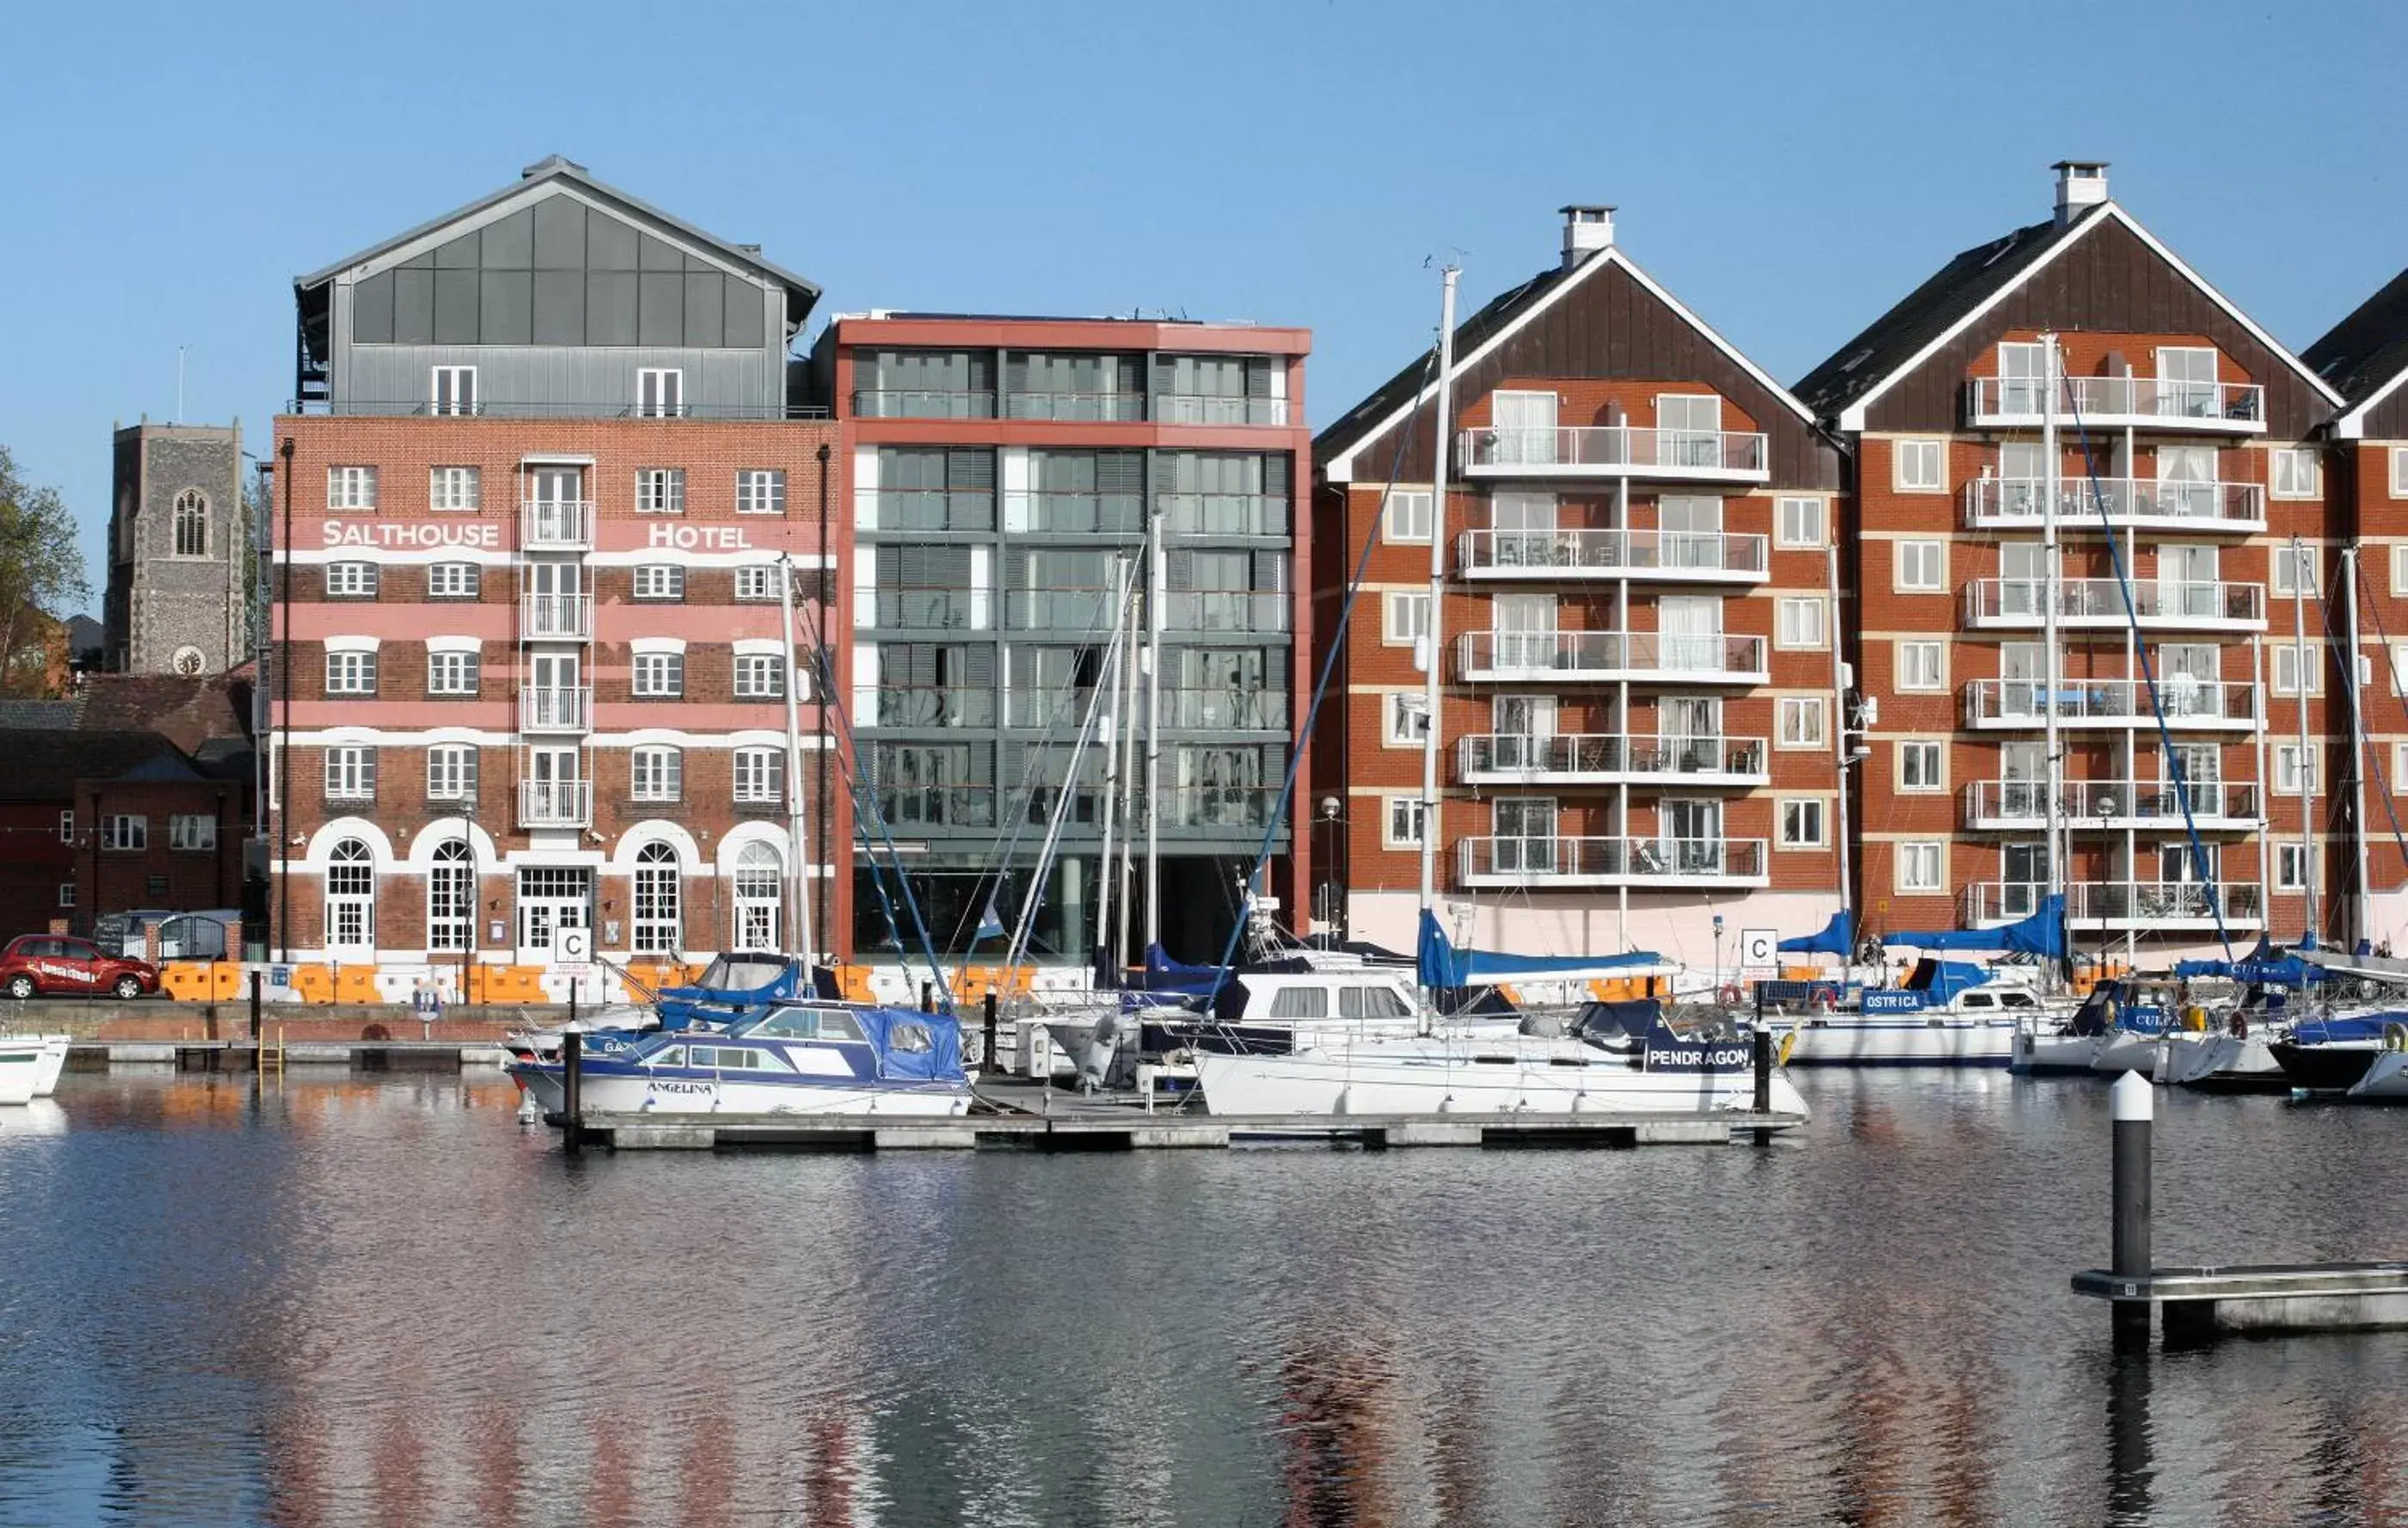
(386, 1301)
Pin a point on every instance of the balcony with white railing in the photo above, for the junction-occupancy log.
(555, 804)
(2116, 402)
(2140, 906)
(1604, 452)
(1655, 556)
(555, 525)
(555, 708)
(2184, 702)
(2149, 806)
(2133, 504)
(556, 617)
(1670, 863)
(1609, 759)
(1643, 657)
(2099, 605)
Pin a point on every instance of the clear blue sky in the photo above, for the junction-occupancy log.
(1787, 170)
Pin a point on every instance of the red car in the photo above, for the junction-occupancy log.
(52, 962)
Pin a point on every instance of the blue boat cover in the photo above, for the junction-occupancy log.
(1443, 967)
(1838, 938)
(942, 1061)
(2042, 933)
(2263, 966)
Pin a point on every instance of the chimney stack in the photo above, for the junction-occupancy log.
(1587, 230)
(2079, 183)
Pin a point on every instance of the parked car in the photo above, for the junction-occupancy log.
(53, 963)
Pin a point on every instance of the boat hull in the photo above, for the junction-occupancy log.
(2224, 1063)
(1907, 1040)
(2386, 1081)
(21, 1063)
(2120, 1052)
(2332, 1067)
(53, 1062)
(1432, 1079)
(2057, 1055)
(630, 1092)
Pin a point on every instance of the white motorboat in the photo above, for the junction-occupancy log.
(2386, 1081)
(53, 1062)
(2222, 1060)
(21, 1059)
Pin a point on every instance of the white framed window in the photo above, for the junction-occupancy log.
(2291, 661)
(660, 491)
(125, 832)
(659, 676)
(67, 894)
(351, 774)
(758, 676)
(1407, 720)
(453, 391)
(2295, 472)
(1404, 619)
(1801, 623)
(2288, 563)
(451, 772)
(761, 491)
(1922, 665)
(2291, 867)
(656, 773)
(67, 827)
(454, 490)
(1921, 567)
(350, 580)
(759, 774)
(350, 673)
(1922, 765)
(1919, 466)
(1801, 823)
(350, 487)
(1801, 722)
(1918, 866)
(454, 582)
(659, 581)
(2399, 472)
(1400, 826)
(660, 392)
(451, 673)
(1799, 523)
(1407, 516)
(192, 831)
(2288, 773)
(756, 582)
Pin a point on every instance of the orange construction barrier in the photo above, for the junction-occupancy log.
(313, 983)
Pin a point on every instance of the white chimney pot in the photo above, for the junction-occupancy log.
(2079, 183)
(1587, 230)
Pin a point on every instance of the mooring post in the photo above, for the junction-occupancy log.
(572, 1087)
(255, 1020)
(988, 1055)
(2132, 1105)
(1763, 1042)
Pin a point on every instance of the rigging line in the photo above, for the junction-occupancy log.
(2391, 809)
(864, 811)
(2149, 674)
(1329, 663)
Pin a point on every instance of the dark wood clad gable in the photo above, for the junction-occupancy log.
(1610, 326)
(2106, 281)
(2389, 420)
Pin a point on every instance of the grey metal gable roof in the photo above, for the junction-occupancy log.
(1364, 419)
(556, 168)
(2367, 351)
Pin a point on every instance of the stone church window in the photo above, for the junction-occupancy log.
(192, 525)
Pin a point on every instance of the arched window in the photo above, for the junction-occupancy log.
(758, 880)
(350, 900)
(451, 897)
(657, 900)
(192, 525)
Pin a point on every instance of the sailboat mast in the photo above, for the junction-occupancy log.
(2307, 761)
(1840, 751)
(799, 874)
(1434, 644)
(2052, 476)
(1109, 683)
(1127, 794)
(2362, 914)
(1155, 584)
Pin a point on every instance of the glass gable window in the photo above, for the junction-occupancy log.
(1073, 386)
(923, 385)
(934, 490)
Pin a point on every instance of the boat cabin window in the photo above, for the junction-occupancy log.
(1371, 1002)
(1979, 999)
(790, 1024)
(2017, 1000)
(733, 1058)
(673, 1056)
(1300, 1003)
(839, 1026)
(743, 973)
(910, 1037)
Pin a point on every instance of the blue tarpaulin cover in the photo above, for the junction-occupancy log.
(1838, 938)
(2041, 934)
(1444, 967)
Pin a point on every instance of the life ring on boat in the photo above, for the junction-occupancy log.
(2395, 1036)
(1730, 992)
(2194, 1019)
(1788, 1043)
(2240, 1027)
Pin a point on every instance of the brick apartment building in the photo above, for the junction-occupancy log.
(1003, 473)
(1638, 716)
(532, 508)
(2190, 450)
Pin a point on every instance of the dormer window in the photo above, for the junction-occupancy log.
(454, 390)
(660, 392)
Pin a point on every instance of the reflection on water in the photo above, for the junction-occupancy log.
(385, 1302)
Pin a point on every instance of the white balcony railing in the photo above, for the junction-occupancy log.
(555, 804)
(1610, 655)
(2153, 805)
(557, 617)
(1610, 861)
(2118, 904)
(555, 708)
(2023, 604)
(1614, 450)
(1609, 759)
(1706, 556)
(556, 525)
(2163, 403)
(2015, 504)
(2181, 700)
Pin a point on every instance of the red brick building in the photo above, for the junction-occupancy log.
(1638, 719)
